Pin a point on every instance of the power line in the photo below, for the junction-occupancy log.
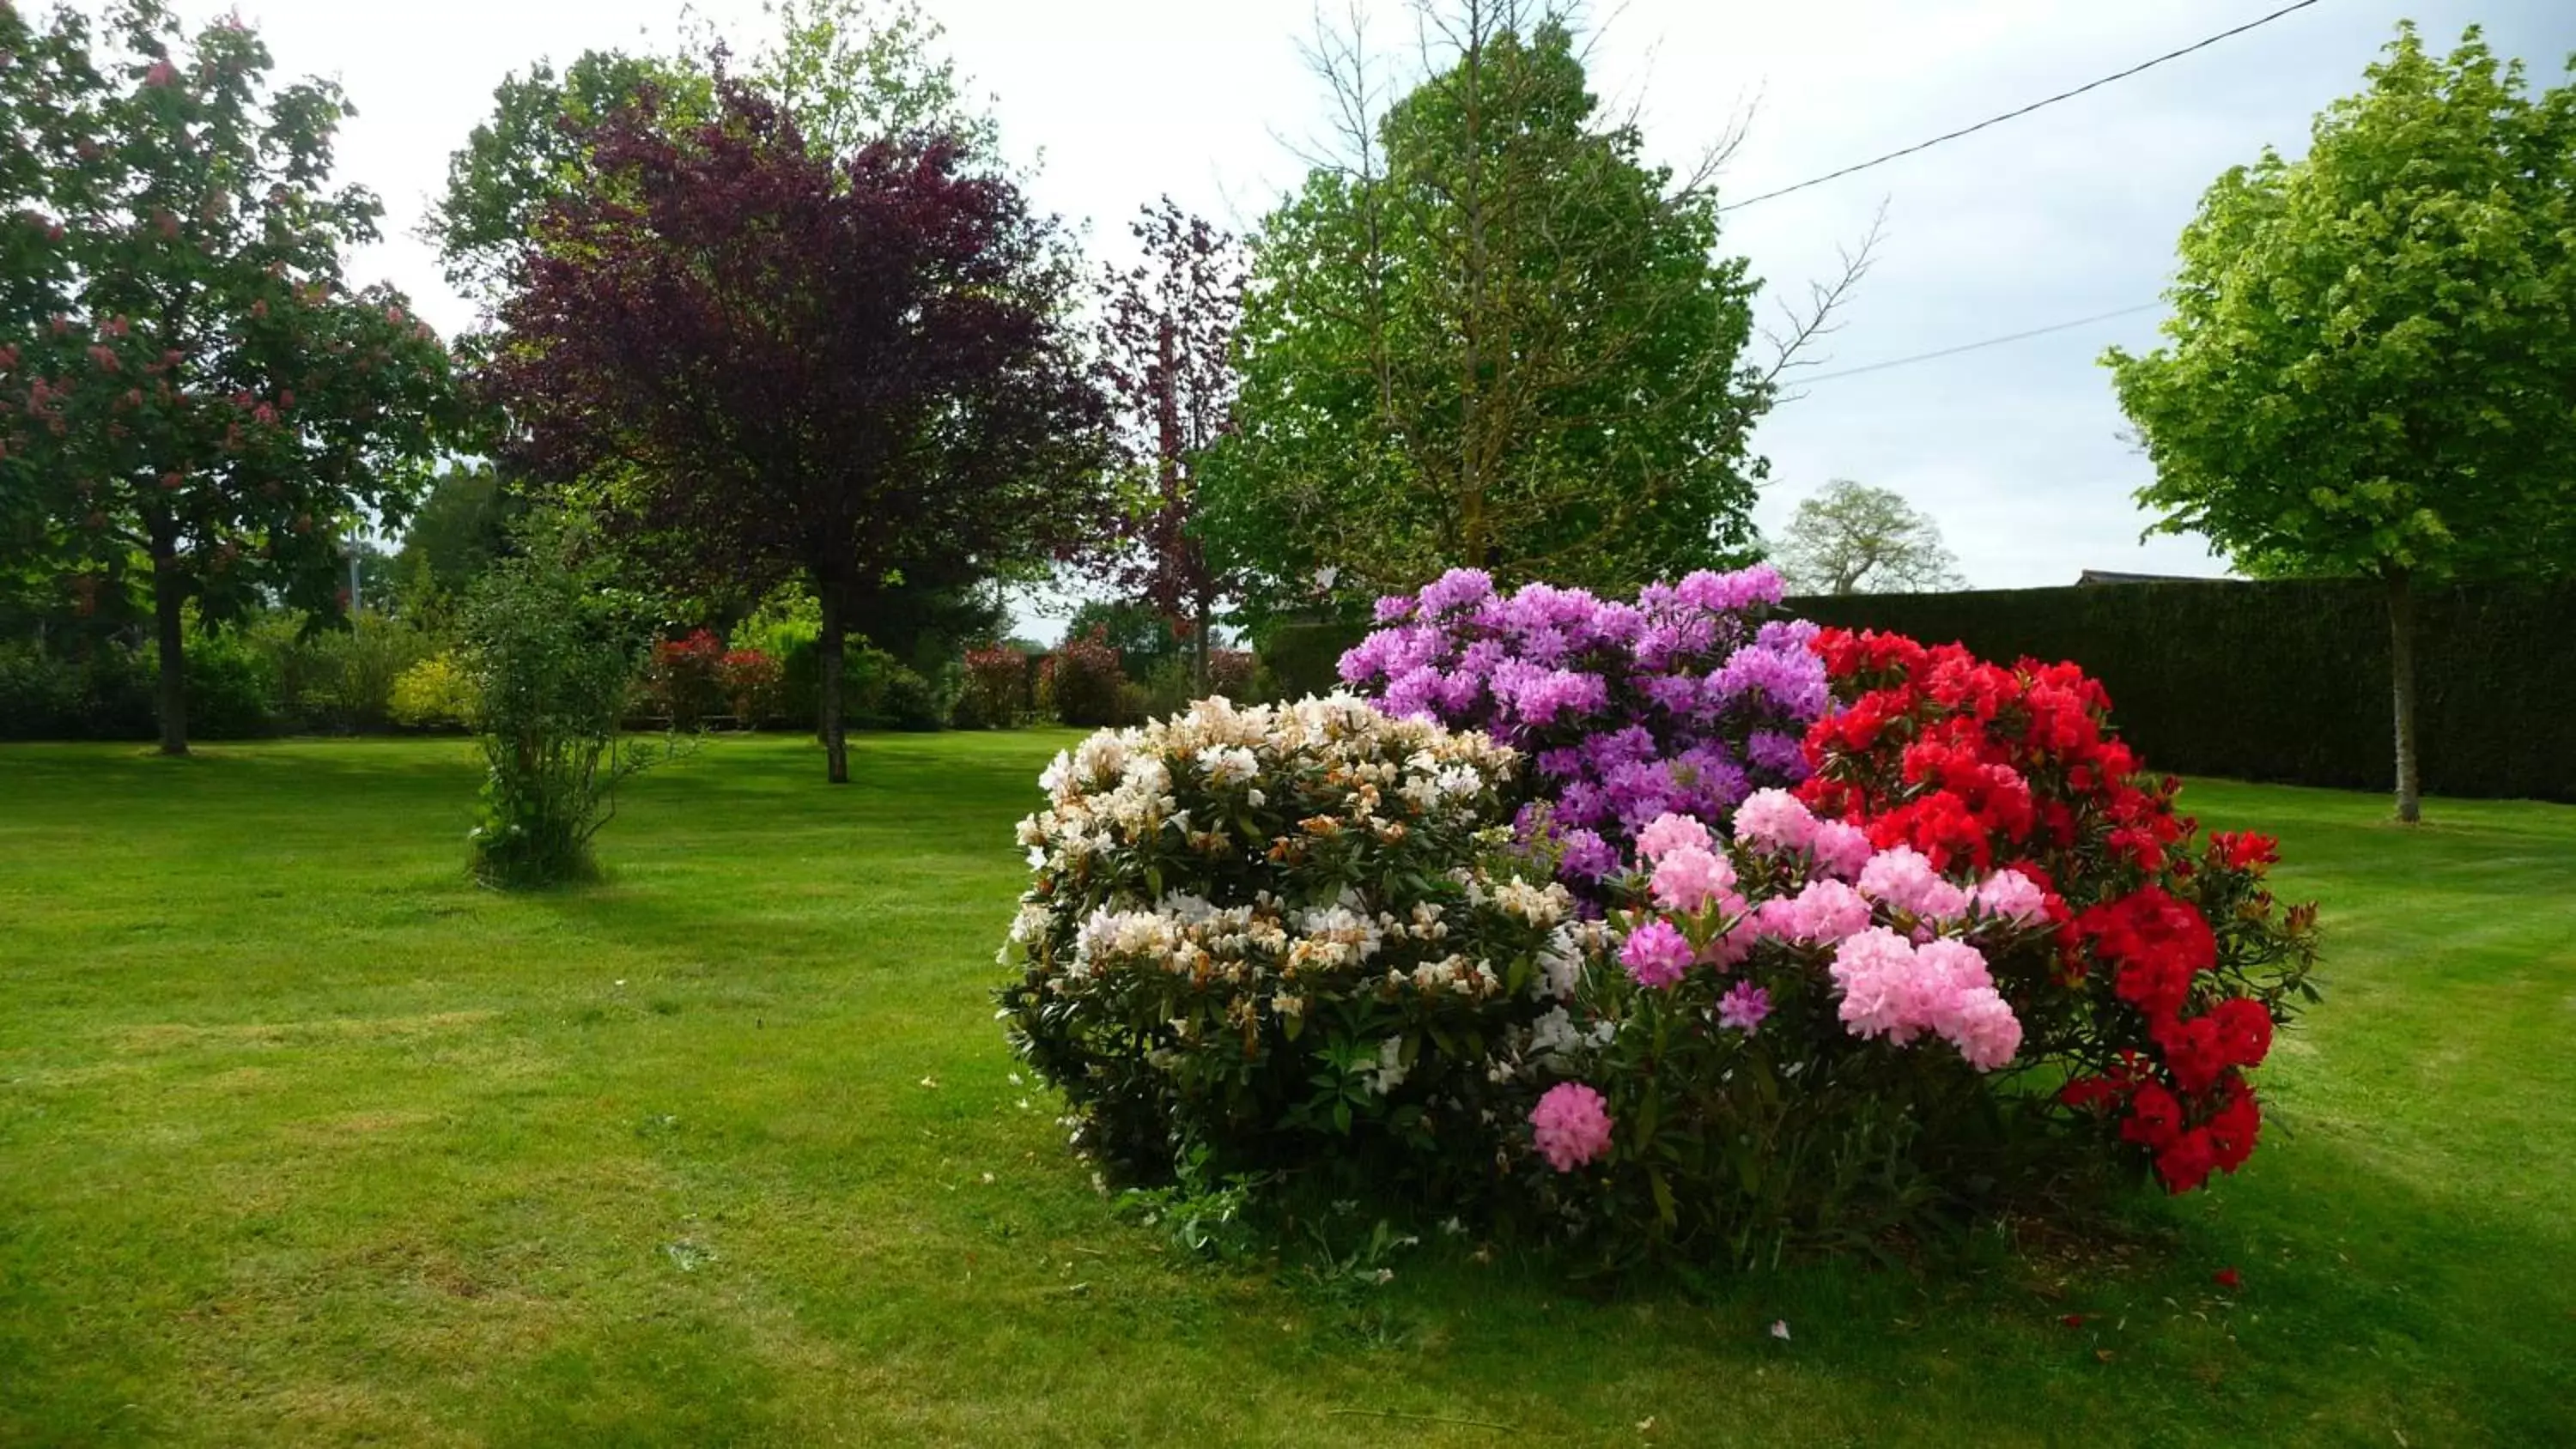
(1973, 346)
(2024, 111)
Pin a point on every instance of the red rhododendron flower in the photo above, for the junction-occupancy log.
(2228, 1278)
(2192, 1052)
(2244, 1029)
(2186, 1162)
(2155, 1117)
(2243, 849)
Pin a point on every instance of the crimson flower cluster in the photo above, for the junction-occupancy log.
(2169, 966)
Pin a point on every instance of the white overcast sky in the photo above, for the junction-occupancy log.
(2073, 212)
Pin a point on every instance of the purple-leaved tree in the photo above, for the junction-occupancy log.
(771, 361)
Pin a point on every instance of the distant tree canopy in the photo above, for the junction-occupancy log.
(1491, 335)
(185, 378)
(1851, 538)
(2373, 348)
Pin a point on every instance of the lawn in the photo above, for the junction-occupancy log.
(304, 1139)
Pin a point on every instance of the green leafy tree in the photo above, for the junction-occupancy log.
(460, 528)
(1489, 333)
(185, 378)
(2373, 348)
(1851, 538)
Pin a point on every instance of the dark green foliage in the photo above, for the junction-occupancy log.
(232, 688)
(102, 694)
(2288, 680)
(1142, 634)
(1305, 658)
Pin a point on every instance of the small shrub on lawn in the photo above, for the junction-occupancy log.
(754, 684)
(1082, 682)
(996, 688)
(683, 681)
(554, 649)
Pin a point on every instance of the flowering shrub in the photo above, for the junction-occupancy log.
(1285, 938)
(1082, 682)
(1972, 945)
(996, 688)
(682, 678)
(1683, 702)
(1230, 672)
(754, 684)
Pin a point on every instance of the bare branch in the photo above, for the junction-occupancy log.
(1801, 330)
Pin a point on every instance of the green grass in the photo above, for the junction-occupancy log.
(303, 1139)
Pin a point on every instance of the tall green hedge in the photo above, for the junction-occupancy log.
(1305, 657)
(2288, 680)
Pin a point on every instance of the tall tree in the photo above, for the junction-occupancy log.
(1485, 331)
(2373, 347)
(773, 361)
(185, 376)
(1166, 339)
(1850, 538)
(849, 71)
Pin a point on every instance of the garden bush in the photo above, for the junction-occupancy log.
(555, 650)
(1946, 949)
(996, 688)
(1977, 957)
(436, 693)
(1287, 940)
(336, 678)
(684, 679)
(754, 684)
(1082, 683)
(232, 687)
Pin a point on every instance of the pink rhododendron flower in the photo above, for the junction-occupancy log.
(1840, 847)
(1897, 989)
(1822, 913)
(2012, 895)
(1656, 954)
(1570, 1125)
(1776, 819)
(1743, 1008)
(1668, 833)
(1688, 879)
(1905, 879)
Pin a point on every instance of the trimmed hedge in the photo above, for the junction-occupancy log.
(2288, 680)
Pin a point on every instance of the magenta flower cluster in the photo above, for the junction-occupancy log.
(1682, 703)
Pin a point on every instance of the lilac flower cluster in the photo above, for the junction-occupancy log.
(1681, 703)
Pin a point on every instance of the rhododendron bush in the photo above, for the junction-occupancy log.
(1946, 948)
(1288, 937)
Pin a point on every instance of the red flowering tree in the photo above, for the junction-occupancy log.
(772, 361)
(184, 377)
(1166, 337)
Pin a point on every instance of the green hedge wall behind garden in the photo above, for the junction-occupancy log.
(2279, 680)
(2288, 680)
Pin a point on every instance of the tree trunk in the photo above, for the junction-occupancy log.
(2401, 668)
(169, 595)
(836, 742)
(1199, 651)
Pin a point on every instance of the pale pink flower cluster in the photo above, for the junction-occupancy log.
(1691, 878)
(1894, 988)
(1668, 833)
(1823, 912)
(1904, 878)
(1780, 823)
(1570, 1125)
(2013, 896)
